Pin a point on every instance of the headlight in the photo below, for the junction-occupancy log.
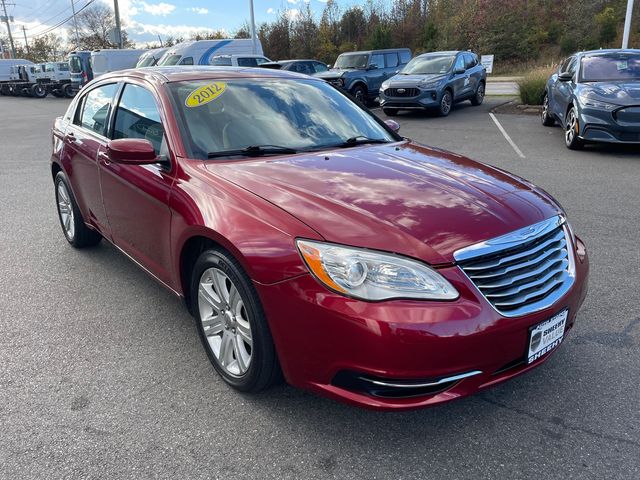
(383, 87)
(587, 101)
(372, 275)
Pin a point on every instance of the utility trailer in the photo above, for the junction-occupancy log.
(39, 80)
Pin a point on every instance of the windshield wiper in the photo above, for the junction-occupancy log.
(360, 140)
(254, 151)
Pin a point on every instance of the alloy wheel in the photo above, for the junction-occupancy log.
(225, 321)
(65, 210)
(445, 103)
(572, 127)
(480, 93)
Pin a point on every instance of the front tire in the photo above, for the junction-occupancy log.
(68, 91)
(390, 112)
(38, 91)
(478, 98)
(360, 94)
(231, 323)
(546, 117)
(571, 130)
(75, 230)
(446, 102)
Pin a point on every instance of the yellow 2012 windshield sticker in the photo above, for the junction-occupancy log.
(205, 94)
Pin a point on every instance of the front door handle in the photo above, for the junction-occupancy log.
(72, 138)
(104, 157)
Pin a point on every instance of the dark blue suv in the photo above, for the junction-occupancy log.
(435, 80)
(362, 73)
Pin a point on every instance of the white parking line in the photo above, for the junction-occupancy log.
(506, 135)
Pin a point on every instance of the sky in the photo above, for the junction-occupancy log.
(144, 20)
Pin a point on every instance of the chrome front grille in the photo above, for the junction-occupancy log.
(524, 271)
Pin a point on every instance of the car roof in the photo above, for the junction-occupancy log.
(444, 52)
(608, 50)
(382, 50)
(184, 73)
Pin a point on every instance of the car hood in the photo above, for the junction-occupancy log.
(405, 198)
(334, 73)
(412, 80)
(619, 93)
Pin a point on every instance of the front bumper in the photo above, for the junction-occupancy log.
(619, 126)
(423, 100)
(325, 340)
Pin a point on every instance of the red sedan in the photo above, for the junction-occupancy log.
(307, 237)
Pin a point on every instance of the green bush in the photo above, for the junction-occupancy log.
(532, 86)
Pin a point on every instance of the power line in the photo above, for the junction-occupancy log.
(59, 24)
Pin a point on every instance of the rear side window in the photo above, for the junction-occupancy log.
(391, 59)
(137, 116)
(221, 61)
(405, 56)
(95, 108)
(261, 60)
(187, 61)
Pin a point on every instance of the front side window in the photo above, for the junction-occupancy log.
(377, 59)
(470, 60)
(352, 61)
(611, 67)
(391, 59)
(429, 65)
(169, 60)
(75, 64)
(137, 116)
(221, 61)
(247, 62)
(50, 67)
(460, 63)
(261, 60)
(95, 108)
(187, 61)
(63, 67)
(319, 67)
(300, 114)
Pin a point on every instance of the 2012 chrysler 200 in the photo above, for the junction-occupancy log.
(306, 236)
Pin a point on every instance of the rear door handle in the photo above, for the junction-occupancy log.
(104, 157)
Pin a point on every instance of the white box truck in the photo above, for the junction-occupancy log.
(111, 60)
(201, 52)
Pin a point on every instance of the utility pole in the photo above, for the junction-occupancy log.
(26, 44)
(253, 27)
(6, 20)
(627, 24)
(116, 10)
(75, 24)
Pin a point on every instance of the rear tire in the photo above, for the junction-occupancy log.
(68, 91)
(546, 117)
(75, 230)
(478, 97)
(390, 112)
(571, 130)
(38, 91)
(231, 323)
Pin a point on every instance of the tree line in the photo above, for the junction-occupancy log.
(516, 31)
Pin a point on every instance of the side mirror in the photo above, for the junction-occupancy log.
(373, 66)
(459, 71)
(132, 151)
(565, 77)
(329, 65)
(393, 125)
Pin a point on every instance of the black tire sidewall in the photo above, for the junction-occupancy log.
(83, 235)
(442, 112)
(577, 143)
(475, 101)
(259, 374)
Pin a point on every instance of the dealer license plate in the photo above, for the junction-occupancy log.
(546, 336)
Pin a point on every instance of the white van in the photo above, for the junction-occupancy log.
(150, 58)
(6, 64)
(201, 52)
(239, 60)
(110, 60)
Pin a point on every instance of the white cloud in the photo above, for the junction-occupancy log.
(293, 1)
(199, 11)
(292, 13)
(271, 10)
(159, 9)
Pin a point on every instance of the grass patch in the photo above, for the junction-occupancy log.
(532, 86)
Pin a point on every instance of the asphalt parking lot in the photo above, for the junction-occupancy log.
(102, 374)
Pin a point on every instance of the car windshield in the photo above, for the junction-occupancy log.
(429, 65)
(358, 61)
(300, 115)
(146, 62)
(75, 64)
(611, 67)
(170, 60)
